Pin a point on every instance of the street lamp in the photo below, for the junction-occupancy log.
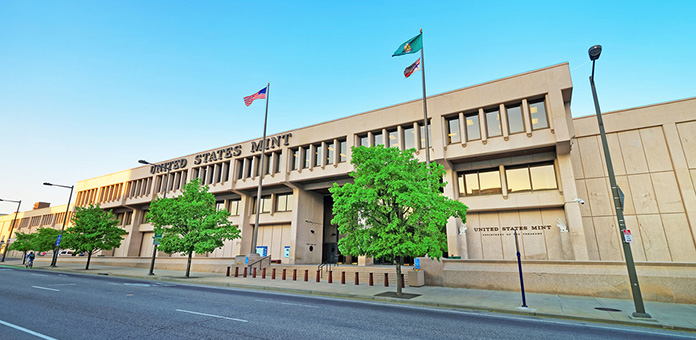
(594, 52)
(7, 243)
(67, 209)
(166, 182)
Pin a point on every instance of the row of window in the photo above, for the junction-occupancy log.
(42, 220)
(318, 155)
(279, 203)
(518, 178)
(407, 134)
(516, 121)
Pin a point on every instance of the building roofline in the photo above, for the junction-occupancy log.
(593, 115)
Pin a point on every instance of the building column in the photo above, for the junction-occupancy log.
(572, 209)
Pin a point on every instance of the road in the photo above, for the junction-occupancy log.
(51, 305)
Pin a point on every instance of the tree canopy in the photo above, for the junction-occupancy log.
(93, 229)
(45, 239)
(23, 242)
(190, 223)
(394, 208)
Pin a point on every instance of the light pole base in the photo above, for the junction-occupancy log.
(641, 315)
(150, 274)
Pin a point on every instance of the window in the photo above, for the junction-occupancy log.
(493, 123)
(265, 205)
(481, 182)
(234, 207)
(364, 141)
(393, 139)
(514, 117)
(537, 111)
(144, 216)
(266, 164)
(378, 138)
(278, 161)
(342, 153)
(409, 138)
(295, 159)
(518, 179)
(532, 177)
(331, 149)
(453, 131)
(219, 205)
(283, 202)
(307, 157)
(473, 130)
(318, 151)
(430, 136)
(128, 218)
(240, 168)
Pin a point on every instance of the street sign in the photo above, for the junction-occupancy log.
(58, 240)
(156, 239)
(417, 263)
(621, 198)
(627, 236)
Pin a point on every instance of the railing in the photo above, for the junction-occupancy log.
(326, 265)
(260, 262)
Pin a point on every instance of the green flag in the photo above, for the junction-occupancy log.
(413, 45)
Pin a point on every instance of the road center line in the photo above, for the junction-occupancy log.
(39, 335)
(211, 315)
(55, 290)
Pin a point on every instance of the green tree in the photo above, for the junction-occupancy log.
(189, 223)
(23, 242)
(45, 239)
(394, 208)
(93, 229)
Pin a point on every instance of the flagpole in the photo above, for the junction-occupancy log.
(258, 192)
(425, 106)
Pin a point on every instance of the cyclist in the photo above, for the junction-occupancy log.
(30, 260)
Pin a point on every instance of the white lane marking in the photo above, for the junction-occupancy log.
(55, 290)
(39, 335)
(211, 315)
(288, 303)
(39, 274)
(64, 284)
(137, 284)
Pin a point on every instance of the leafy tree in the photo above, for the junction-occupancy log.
(190, 223)
(23, 243)
(93, 229)
(45, 239)
(394, 208)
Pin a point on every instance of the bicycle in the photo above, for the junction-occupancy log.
(29, 264)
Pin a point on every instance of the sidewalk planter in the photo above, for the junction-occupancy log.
(416, 278)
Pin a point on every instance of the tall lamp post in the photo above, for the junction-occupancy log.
(7, 243)
(166, 182)
(594, 52)
(67, 209)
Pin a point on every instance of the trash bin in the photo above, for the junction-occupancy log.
(416, 278)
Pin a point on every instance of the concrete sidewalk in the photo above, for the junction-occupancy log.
(664, 315)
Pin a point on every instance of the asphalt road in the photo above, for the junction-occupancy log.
(50, 305)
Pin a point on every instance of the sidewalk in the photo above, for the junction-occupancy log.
(664, 315)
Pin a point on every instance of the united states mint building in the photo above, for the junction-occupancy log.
(513, 154)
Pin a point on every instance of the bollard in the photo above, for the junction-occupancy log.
(263, 273)
(403, 283)
(273, 274)
(253, 273)
(294, 274)
(228, 271)
(343, 278)
(357, 279)
(330, 276)
(371, 281)
(306, 274)
(318, 275)
(236, 271)
(386, 279)
(245, 271)
(283, 274)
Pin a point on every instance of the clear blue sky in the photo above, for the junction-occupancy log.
(89, 87)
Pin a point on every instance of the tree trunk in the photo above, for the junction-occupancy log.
(89, 257)
(188, 265)
(398, 278)
(24, 257)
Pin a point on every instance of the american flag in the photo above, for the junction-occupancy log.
(258, 95)
(413, 68)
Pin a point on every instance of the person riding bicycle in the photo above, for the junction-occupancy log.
(30, 259)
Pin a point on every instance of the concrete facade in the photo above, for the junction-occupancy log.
(513, 154)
